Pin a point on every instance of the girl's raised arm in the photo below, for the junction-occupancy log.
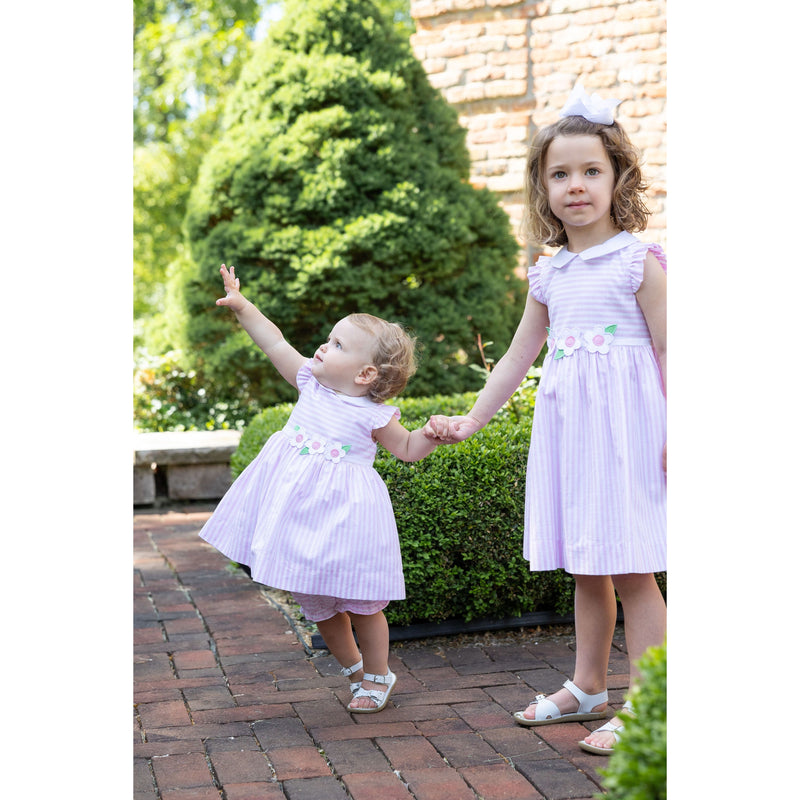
(262, 331)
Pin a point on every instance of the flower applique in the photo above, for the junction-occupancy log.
(297, 436)
(596, 340)
(599, 338)
(336, 452)
(314, 446)
(567, 343)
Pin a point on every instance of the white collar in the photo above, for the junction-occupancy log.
(616, 242)
(358, 400)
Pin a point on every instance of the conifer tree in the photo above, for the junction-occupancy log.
(340, 184)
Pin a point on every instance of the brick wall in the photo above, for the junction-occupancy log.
(507, 66)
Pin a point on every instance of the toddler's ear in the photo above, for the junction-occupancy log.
(367, 375)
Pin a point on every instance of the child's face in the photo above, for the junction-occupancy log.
(347, 355)
(580, 184)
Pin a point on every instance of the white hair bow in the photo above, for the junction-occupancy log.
(593, 108)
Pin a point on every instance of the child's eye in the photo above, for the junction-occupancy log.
(559, 174)
(592, 171)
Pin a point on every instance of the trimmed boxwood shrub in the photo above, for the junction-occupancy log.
(459, 517)
(637, 769)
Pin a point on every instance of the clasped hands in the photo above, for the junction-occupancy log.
(450, 430)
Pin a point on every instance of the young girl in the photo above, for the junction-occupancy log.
(596, 480)
(310, 514)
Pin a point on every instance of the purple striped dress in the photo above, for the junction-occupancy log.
(310, 513)
(596, 489)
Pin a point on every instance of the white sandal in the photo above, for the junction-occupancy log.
(609, 726)
(348, 671)
(379, 698)
(548, 713)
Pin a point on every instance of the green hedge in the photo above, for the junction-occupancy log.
(637, 769)
(459, 516)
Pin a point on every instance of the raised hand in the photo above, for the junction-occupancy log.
(233, 299)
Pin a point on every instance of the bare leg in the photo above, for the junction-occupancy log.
(595, 618)
(338, 635)
(373, 637)
(645, 626)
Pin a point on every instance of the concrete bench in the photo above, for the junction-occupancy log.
(182, 465)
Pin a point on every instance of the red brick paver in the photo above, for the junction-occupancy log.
(229, 702)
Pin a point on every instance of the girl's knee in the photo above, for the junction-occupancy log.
(593, 584)
(634, 583)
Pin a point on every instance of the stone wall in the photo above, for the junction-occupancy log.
(507, 66)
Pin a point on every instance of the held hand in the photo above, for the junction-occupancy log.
(233, 299)
(449, 430)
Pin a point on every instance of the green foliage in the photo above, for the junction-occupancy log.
(269, 421)
(186, 57)
(341, 184)
(459, 515)
(399, 12)
(637, 769)
(168, 396)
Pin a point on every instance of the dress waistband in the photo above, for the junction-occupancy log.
(598, 339)
(311, 444)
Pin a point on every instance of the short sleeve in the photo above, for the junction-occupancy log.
(304, 374)
(636, 262)
(382, 415)
(536, 278)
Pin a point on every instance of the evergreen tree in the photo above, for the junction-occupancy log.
(186, 56)
(340, 184)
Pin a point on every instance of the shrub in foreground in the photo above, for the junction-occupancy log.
(637, 769)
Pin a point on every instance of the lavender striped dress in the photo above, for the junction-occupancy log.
(310, 514)
(596, 489)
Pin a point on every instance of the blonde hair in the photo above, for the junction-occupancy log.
(628, 209)
(392, 355)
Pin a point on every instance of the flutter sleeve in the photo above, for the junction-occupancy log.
(304, 375)
(536, 278)
(382, 415)
(636, 262)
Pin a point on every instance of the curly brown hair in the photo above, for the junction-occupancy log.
(628, 209)
(392, 355)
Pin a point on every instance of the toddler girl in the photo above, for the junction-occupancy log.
(310, 514)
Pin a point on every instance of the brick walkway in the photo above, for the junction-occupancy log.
(229, 704)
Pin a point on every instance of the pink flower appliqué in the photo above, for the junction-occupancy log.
(336, 452)
(567, 343)
(297, 437)
(314, 446)
(599, 339)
